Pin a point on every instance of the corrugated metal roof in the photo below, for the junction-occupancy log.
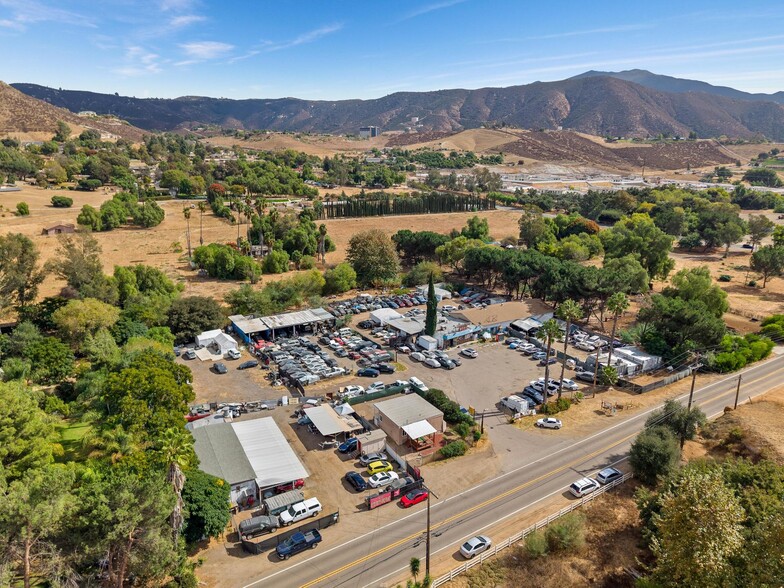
(250, 325)
(327, 420)
(248, 450)
(220, 453)
(268, 451)
(408, 409)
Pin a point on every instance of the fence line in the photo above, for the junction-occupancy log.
(461, 569)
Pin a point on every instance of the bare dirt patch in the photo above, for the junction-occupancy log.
(569, 146)
(754, 430)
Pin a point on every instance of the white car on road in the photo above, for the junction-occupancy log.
(469, 352)
(417, 356)
(431, 362)
(549, 423)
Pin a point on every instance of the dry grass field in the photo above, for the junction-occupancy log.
(164, 246)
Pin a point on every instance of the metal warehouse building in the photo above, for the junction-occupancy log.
(268, 327)
(250, 455)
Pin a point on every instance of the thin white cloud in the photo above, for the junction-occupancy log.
(599, 31)
(202, 50)
(176, 5)
(308, 37)
(28, 12)
(139, 62)
(11, 24)
(185, 20)
(430, 8)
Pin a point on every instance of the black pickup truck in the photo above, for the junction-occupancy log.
(298, 542)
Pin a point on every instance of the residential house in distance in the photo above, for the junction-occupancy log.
(59, 229)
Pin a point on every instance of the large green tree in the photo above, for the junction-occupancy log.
(339, 279)
(654, 454)
(372, 255)
(34, 512)
(25, 432)
(769, 262)
(639, 236)
(700, 531)
(78, 261)
(20, 273)
(191, 315)
(205, 498)
(569, 312)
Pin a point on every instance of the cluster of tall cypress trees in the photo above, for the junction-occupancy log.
(380, 204)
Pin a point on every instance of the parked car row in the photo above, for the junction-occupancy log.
(304, 361)
(368, 302)
(436, 359)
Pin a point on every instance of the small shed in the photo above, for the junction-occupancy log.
(329, 423)
(218, 339)
(59, 229)
(372, 442)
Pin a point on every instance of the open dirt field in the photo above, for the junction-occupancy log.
(477, 140)
(568, 146)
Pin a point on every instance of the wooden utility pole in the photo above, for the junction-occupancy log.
(737, 391)
(427, 539)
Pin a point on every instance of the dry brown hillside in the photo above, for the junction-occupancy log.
(30, 119)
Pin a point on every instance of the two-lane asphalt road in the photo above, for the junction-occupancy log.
(377, 557)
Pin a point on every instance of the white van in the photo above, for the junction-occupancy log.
(301, 510)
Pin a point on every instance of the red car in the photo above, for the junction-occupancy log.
(413, 497)
(295, 485)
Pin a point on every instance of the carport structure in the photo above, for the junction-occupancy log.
(269, 327)
(329, 423)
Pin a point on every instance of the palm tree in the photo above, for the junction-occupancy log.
(176, 451)
(202, 210)
(569, 311)
(549, 333)
(187, 213)
(617, 305)
(414, 565)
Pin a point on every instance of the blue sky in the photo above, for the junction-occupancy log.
(336, 49)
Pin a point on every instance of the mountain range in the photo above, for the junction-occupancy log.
(634, 103)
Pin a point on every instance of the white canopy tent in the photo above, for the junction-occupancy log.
(419, 429)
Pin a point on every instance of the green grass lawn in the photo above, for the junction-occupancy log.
(71, 435)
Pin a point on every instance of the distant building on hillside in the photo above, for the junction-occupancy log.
(59, 229)
(369, 132)
(86, 113)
